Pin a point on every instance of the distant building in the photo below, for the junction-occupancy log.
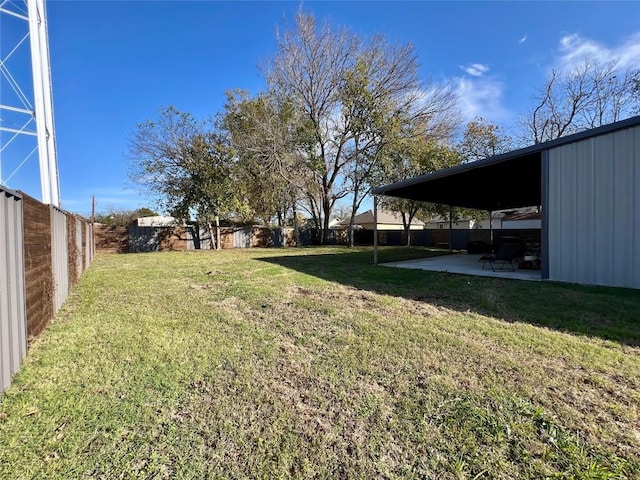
(157, 221)
(522, 218)
(386, 221)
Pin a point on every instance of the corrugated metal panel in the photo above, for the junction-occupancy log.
(13, 323)
(205, 237)
(88, 246)
(60, 257)
(594, 210)
(143, 239)
(634, 261)
(198, 237)
(242, 237)
(79, 245)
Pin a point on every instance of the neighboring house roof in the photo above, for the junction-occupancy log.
(512, 217)
(336, 222)
(441, 219)
(384, 216)
(157, 221)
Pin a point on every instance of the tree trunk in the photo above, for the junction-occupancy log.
(211, 235)
(326, 209)
(281, 222)
(296, 233)
(354, 209)
(351, 233)
(407, 218)
(218, 246)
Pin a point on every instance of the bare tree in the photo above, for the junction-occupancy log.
(308, 71)
(591, 94)
(355, 97)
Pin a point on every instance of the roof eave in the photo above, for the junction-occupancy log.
(532, 149)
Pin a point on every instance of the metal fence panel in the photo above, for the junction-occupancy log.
(60, 257)
(204, 235)
(13, 324)
(278, 237)
(79, 246)
(143, 239)
(242, 238)
(88, 255)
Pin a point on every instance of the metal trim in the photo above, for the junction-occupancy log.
(544, 233)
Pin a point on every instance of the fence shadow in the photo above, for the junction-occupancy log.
(604, 312)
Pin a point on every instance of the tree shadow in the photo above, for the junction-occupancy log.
(604, 312)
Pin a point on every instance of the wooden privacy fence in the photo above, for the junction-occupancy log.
(134, 238)
(43, 251)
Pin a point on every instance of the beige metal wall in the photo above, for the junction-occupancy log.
(594, 210)
(60, 257)
(13, 321)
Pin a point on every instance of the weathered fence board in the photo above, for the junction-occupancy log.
(189, 237)
(38, 269)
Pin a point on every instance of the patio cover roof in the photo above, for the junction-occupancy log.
(510, 180)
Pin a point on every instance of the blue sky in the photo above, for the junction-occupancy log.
(115, 64)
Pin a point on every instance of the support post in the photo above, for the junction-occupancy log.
(491, 229)
(450, 228)
(375, 230)
(544, 233)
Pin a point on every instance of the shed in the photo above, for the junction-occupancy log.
(157, 221)
(587, 186)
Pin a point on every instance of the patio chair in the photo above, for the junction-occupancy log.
(507, 253)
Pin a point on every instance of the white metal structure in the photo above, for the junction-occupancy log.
(39, 109)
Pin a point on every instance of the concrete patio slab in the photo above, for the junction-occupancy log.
(464, 264)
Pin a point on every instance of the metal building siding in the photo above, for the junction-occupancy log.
(13, 323)
(634, 261)
(594, 210)
(60, 257)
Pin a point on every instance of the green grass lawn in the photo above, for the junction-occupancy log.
(313, 363)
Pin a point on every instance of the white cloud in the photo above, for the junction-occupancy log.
(574, 49)
(523, 39)
(481, 97)
(475, 69)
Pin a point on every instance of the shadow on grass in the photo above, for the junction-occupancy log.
(608, 313)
